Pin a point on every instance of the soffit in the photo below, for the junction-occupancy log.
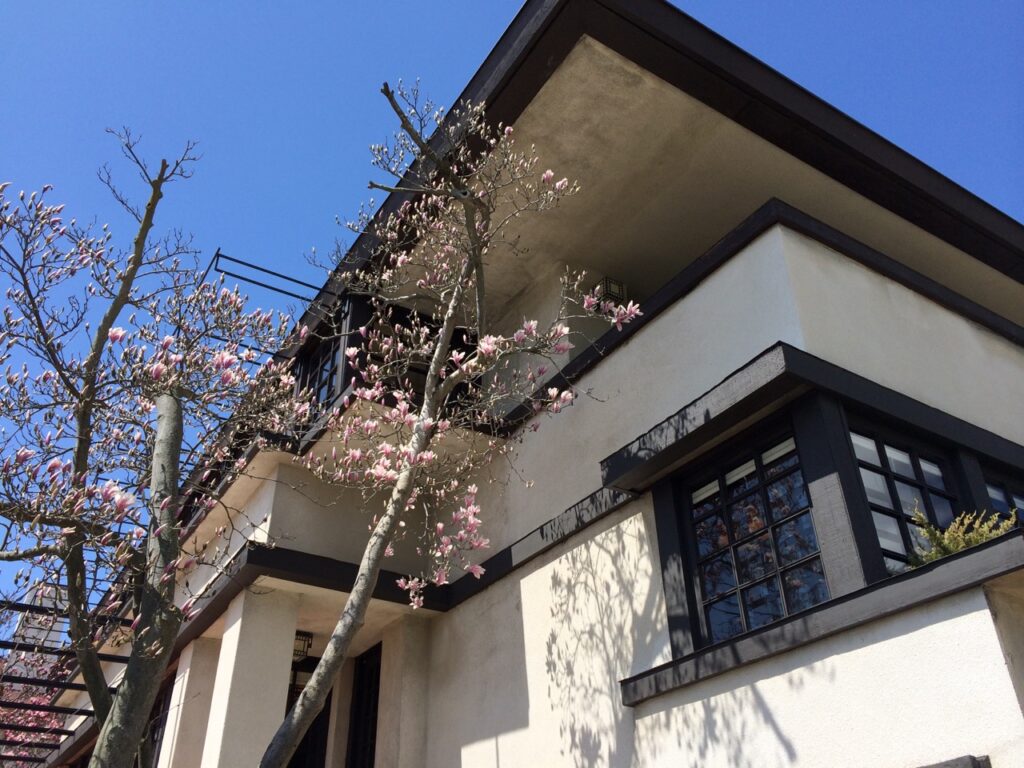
(664, 176)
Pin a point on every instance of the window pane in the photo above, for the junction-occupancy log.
(895, 567)
(910, 498)
(877, 490)
(918, 541)
(889, 535)
(998, 499)
(899, 461)
(795, 539)
(932, 474)
(864, 448)
(780, 466)
(711, 535)
(787, 496)
(779, 458)
(763, 603)
(747, 516)
(724, 619)
(1018, 504)
(804, 585)
(778, 451)
(754, 559)
(741, 478)
(704, 499)
(717, 575)
(943, 510)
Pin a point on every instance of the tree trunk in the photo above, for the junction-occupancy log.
(314, 694)
(128, 721)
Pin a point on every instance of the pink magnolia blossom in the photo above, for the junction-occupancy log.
(116, 334)
(157, 370)
(547, 176)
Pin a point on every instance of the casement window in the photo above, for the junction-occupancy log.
(1004, 497)
(753, 541)
(899, 480)
(319, 371)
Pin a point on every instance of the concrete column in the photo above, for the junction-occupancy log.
(250, 690)
(402, 708)
(189, 711)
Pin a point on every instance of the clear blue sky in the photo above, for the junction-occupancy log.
(283, 96)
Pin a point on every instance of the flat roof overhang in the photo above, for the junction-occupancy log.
(662, 42)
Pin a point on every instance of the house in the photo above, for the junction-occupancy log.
(712, 567)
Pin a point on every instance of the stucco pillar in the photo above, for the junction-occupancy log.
(250, 690)
(402, 708)
(189, 710)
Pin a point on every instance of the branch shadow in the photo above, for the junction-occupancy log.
(608, 622)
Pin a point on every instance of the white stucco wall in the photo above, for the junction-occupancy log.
(737, 312)
(927, 685)
(865, 322)
(527, 673)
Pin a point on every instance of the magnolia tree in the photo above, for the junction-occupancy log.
(127, 384)
(433, 381)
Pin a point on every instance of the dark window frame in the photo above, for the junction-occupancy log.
(1009, 483)
(918, 448)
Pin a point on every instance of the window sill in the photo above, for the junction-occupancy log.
(944, 577)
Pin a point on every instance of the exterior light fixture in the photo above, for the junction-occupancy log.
(610, 289)
(303, 642)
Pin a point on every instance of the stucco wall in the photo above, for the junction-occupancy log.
(865, 322)
(527, 674)
(736, 313)
(915, 689)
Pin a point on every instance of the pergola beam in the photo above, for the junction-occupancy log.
(42, 682)
(51, 745)
(49, 708)
(19, 728)
(63, 651)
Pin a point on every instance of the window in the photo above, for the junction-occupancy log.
(754, 543)
(1004, 496)
(319, 372)
(898, 481)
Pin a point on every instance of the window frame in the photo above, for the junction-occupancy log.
(714, 467)
(918, 449)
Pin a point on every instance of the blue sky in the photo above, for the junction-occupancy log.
(283, 96)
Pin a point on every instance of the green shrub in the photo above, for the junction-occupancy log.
(967, 530)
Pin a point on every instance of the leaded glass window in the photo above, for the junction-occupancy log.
(755, 544)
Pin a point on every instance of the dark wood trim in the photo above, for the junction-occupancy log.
(35, 729)
(823, 439)
(51, 708)
(326, 572)
(970, 479)
(967, 761)
(760, 385)
(677, 583)
(895, 406)
(776, 376)
(941, 578)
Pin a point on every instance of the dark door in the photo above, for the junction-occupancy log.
(362, 726)
(312, 751)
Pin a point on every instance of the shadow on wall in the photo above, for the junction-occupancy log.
(607, 623)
